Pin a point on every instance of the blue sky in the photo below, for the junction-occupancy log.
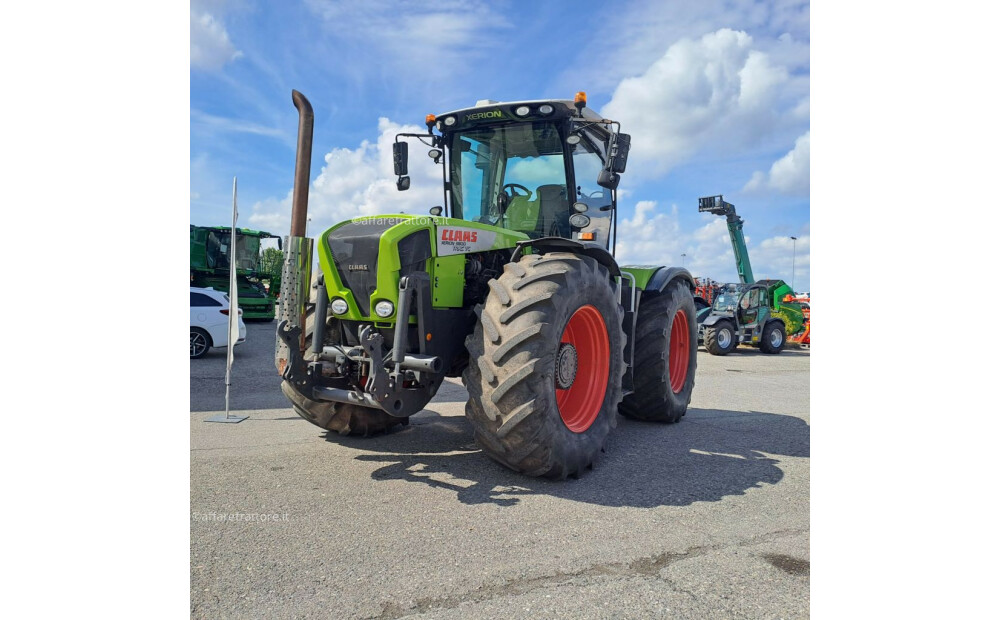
(714, 93)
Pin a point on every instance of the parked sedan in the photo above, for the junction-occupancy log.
(210, 321)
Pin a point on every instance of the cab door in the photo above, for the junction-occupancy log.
(751, 310)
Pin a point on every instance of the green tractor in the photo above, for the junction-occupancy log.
(509, 284)
(749, 314)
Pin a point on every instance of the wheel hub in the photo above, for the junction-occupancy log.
(566, 364)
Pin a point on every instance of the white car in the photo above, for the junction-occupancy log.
(210, 321)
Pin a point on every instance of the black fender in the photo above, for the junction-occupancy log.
(665, 275)
(544, 245)
(712, 319)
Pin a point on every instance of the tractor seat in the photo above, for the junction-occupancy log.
(522, 214)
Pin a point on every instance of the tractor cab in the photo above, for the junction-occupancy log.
(541, 168)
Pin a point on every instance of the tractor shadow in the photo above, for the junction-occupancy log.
(712, 454)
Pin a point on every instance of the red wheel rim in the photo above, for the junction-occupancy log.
(580, 403)
(680, 351)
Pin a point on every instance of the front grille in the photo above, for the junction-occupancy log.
(355, 244)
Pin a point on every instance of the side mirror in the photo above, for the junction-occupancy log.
(400, 152)
(619, 153)
(436, 211)
(403, 183)
(608, 179)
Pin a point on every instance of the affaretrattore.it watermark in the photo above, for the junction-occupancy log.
(249, 517)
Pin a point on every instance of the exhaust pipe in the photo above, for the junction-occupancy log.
(303, 161)
(297, 269)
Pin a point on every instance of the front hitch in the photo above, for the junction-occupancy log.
(390, 375)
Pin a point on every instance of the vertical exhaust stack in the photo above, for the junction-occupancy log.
(297, 270)
(303, 160)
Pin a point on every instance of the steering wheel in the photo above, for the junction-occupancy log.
(513, 194)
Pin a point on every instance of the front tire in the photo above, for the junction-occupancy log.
(546, 361)
(666, 356)
(772, 341)
(341, 418)
(720, 339)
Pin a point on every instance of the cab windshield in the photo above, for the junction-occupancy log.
(727, 300)
(520, 166)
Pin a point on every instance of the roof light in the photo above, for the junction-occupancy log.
(581, 97)
(545, 109)
(429, 121)
(449, 121)
(522, 110)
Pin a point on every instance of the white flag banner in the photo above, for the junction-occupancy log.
(234, 307)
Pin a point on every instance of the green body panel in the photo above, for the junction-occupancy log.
(448, 278)
(789, 312)
(641, 273)
(447, 272)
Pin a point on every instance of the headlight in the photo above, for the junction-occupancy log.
(522, 110)
(384, 309)
(545, 109)
(449, 121)
(579, 220)
(338, 305)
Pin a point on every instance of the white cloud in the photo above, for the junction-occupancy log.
(773, 259)
(211, 48)
(210, 123)
(780, 27)
(360, 181)
(651, 237)
(399, 39)
(788, 175)
(715, 94)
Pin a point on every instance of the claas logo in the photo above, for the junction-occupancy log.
(448, 234)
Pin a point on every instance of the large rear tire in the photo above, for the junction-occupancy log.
(720, 339)
(666, 356)
(546, 363)
(341, 418)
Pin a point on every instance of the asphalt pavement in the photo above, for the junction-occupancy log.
(708, 518)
